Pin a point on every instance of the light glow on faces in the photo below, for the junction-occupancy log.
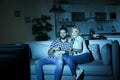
(75, 32)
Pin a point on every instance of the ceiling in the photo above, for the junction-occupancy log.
(90, 2)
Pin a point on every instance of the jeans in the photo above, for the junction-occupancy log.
(58, 71)
(72, 61)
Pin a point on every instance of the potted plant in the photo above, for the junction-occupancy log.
(41, 27)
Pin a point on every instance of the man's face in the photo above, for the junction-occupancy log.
(63, 34)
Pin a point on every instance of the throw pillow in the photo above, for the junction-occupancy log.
(94, 49)
(106, 54)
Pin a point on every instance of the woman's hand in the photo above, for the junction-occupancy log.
(70, 51)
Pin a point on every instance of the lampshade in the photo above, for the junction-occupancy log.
(55, 9)
(60, 9)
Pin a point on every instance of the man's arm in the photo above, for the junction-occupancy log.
(52, 50)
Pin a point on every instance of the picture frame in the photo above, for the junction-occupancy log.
(100, 16)
(17, 13)
(78, 16)
(113, 16)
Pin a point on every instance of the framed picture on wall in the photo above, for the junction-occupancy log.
(78, 16)
(100, 16)
(113, 15)
(17, 13)
(27, 19)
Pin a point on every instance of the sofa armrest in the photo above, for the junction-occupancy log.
(116, 59)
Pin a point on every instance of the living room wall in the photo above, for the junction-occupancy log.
(14, 29)
(16, 19)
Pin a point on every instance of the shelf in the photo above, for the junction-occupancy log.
(67, 23)
(113, 34)
(107, 34)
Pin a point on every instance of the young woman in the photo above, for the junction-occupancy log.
(80, 53)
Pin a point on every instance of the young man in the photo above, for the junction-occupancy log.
(60, 44)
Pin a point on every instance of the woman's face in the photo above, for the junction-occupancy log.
(75, 33)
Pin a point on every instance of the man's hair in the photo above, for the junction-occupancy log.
(63, 28)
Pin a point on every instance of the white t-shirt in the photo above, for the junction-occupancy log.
(76, 46)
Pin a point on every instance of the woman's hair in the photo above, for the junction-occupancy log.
(77, 29)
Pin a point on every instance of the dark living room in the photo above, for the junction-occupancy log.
(18, 36)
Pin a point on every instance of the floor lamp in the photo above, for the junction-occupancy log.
(56, 10)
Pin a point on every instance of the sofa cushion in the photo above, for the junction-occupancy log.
(96, 68)
(106, 54)
(100, 42)
(93, 68)
(94, 49)
(49, 69)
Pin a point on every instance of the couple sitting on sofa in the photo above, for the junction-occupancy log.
(74, 51)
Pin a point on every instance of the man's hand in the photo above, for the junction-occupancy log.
(52, 50)
(56, 48)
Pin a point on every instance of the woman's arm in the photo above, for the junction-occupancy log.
(80, 47)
